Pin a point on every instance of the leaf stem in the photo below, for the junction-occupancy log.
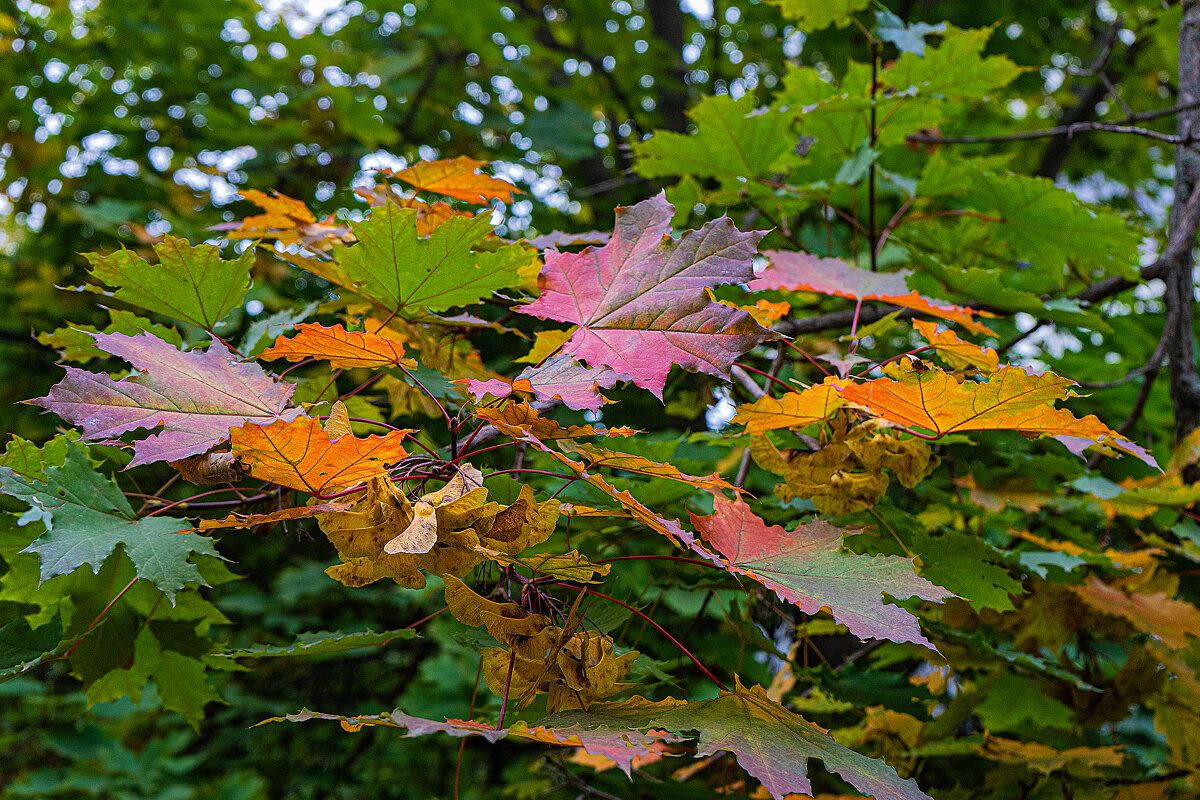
(658, 628)
(662, 558)
(512, 662)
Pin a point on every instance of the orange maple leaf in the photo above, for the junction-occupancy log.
(300, 455)
(457, 178)
(793, 410)
(1012, 399)
(340, 347)
(957, 353)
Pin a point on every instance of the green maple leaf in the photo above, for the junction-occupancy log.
(87, 517)
(956, 68)
(75, 342)
(396, 269)
(969, 567)
(167, 653)
(1043, 224)
(813, 15)
(321, 643)
(730, 142)
(192, 284)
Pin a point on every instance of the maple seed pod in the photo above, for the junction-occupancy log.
(208, 469)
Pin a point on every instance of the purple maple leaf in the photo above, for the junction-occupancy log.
(196, 397)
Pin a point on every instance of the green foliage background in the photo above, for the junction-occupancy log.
(123, 120)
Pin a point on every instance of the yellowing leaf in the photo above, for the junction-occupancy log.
(300, 455)
(639, 465)
(570, 566)
(422, 533)
(457, 178)
(1045, 759)
(1012, 399)
(338, 423)
(254, 520)
(792, 410)
(1169, 620)
(957, 353)
(285, 220)
(545, 345)
(341, 348)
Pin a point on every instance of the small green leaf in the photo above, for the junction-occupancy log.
(192, 284)
(88, 517)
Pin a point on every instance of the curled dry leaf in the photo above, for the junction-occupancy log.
(421, 534)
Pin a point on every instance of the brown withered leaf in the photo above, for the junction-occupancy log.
(464, 491)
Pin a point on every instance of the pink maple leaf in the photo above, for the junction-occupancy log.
(640, 300)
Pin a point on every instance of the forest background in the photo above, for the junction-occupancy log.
(1027, 171)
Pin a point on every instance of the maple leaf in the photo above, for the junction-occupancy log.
(182, 679)
(87, 517)
(1158, 614)
(192, 284)
(957, 353)
(526, 417)
(955, 68)
(750, 142)
(1045, 759)
(814, 15)
(195, 396)
(808, 567)
(283, 515)
(774, 745)
(320, 643)
(798, 271)
(565, 379)
(393, 267)
(620, 744)
(341, 348)
(457, 178)
(557, 239)
(640, 465)
(1012, 399)
(429, 215)
(75, 342)
(639, 300)
(286, 220)
(667, 527)
(793, 410)
(301, 455)
(968, 566)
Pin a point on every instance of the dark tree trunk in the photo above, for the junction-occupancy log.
(1180, 297)
(666, 17)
